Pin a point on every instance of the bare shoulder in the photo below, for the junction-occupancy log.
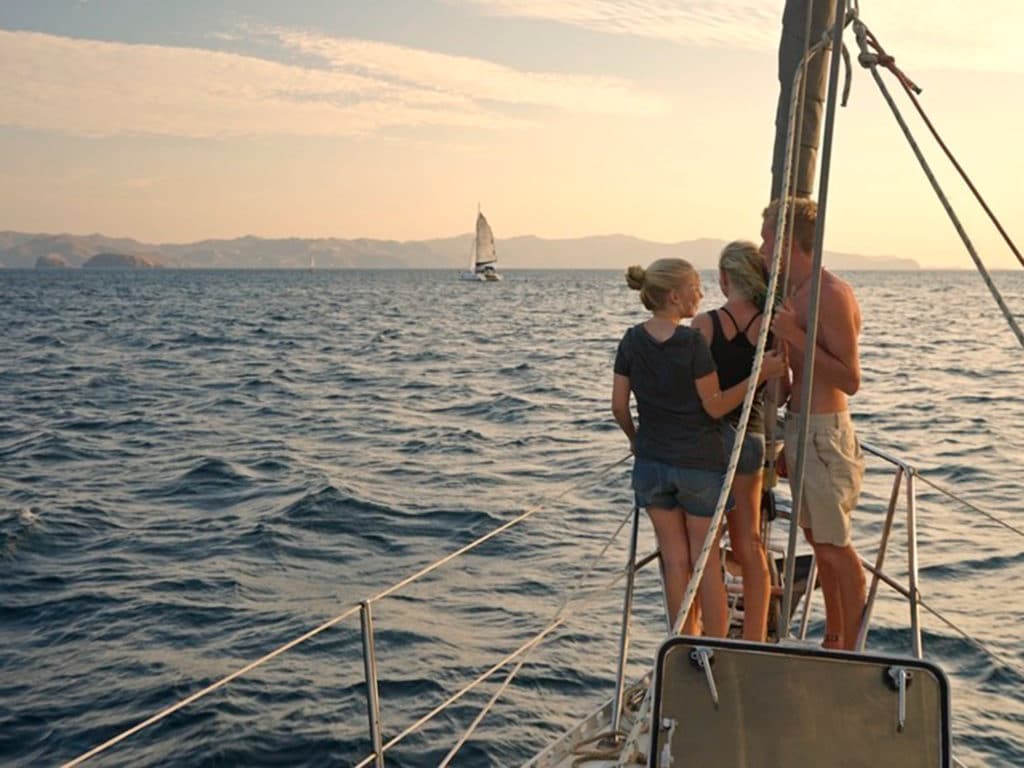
(838, 294)
(702, 323)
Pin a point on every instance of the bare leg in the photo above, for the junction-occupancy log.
(670, 529)
(745, 538)
(845, 590)
(713, 601)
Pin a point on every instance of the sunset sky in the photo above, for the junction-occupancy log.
(174, 121)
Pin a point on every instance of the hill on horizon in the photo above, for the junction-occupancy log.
(20, 250)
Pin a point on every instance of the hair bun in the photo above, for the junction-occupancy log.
(635, 277)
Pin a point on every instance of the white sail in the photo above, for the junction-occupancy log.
(484, 252)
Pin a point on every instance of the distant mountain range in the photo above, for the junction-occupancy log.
(20, 250)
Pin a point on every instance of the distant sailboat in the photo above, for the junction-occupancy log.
(484, 255)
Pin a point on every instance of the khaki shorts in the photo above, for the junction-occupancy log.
(833, 473)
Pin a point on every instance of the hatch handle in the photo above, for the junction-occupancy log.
(702, 658)
(899, 680)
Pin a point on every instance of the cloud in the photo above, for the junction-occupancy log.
(97, 88)
(922, 33)
(735, 23)
(437, 75)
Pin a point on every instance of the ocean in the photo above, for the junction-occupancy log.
(199, 466)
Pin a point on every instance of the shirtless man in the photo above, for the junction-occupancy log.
(834, 464)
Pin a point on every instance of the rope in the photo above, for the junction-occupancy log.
(536, 640)
(500, 529)
(762, 341)
(170, 710)
(835, 35)
(584, 756)
(208, 689)
(871, 61)
(632, 699)
(998, 657)
(632, 743)
(556, 620)
(969, 505)
(912, 90)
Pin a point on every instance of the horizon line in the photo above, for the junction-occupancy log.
(468, 234)
(504, 270)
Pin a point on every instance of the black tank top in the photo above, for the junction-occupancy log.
(734, 358)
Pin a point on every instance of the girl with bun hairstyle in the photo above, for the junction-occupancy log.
(678, 445)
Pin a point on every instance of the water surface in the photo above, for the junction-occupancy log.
(198, 466)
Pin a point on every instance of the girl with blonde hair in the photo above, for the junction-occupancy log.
(678, 445)
(731, 333)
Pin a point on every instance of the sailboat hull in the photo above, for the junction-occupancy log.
(480, 277)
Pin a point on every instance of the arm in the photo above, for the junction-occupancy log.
(620, 407)
(778, 390)
(836, 356)
(715, 402)
(718, 403)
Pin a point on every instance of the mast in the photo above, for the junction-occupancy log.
(472, 245)
(803, 23)
(796, 473)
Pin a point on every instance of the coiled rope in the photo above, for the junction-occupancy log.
(632, 699)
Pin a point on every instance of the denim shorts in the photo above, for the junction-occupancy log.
(752, 452)
(668, 486)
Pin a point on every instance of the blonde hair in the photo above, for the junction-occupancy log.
(805, 217)
(658, 280)
(741, 261)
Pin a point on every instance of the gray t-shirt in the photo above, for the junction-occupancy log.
(674, 427)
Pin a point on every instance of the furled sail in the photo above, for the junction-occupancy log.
(485, 251)
(791, 51)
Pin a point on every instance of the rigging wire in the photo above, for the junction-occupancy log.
(871, 62)
(834, 37)
(969, 505)
(883, 59)
(971, 639)
(169, 710)
(555, 621)
(699, 567)
(526, 647)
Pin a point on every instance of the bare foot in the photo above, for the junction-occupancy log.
(832, 642)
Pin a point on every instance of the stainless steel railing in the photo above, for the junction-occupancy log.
(365, 611)
(904, 479)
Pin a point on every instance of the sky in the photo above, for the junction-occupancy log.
(180, 120)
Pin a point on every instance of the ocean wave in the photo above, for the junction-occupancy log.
(15, 528)
(216, 470)
(46, 448)
(208, 476)
(45, 340)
